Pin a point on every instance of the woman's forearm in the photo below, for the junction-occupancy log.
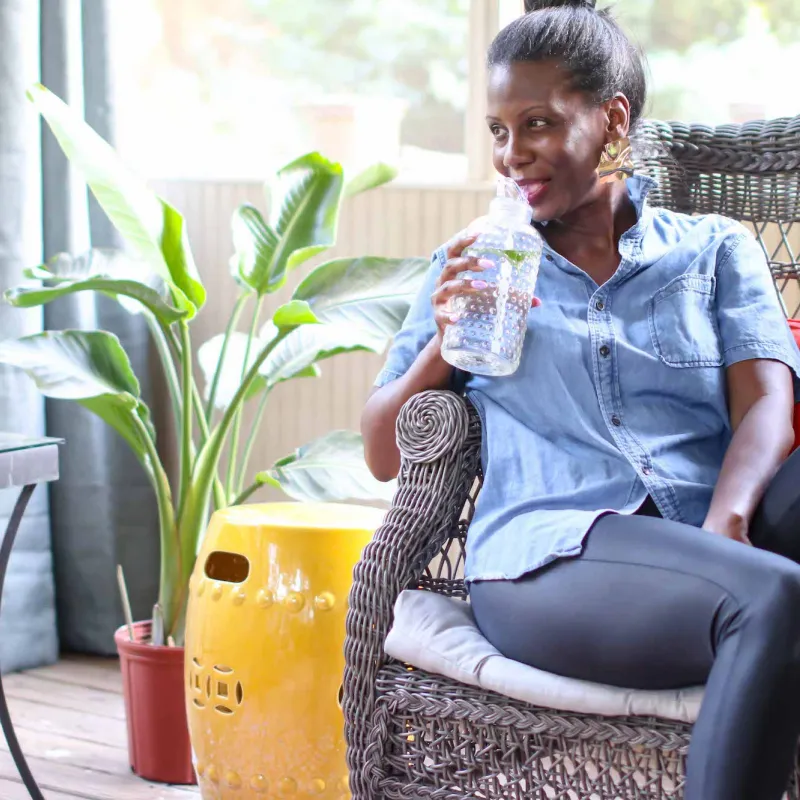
(378, 421)
(760, 444)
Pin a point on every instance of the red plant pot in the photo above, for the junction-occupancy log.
(155, 707)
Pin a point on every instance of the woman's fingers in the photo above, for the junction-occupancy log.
(443, 317)
(455, 266)
(445, 293)
(450, 289)
(459, 244)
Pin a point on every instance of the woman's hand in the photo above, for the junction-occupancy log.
(450, 285)
(761, 401)
(732, 527)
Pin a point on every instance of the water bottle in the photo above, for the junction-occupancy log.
(488, 335)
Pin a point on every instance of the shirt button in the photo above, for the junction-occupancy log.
(616, 421)
(646, 471)
(549, 257)
(599, 305)
(605, 351)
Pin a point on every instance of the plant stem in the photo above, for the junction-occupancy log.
(168, 336)
(237, 422)
(171, 553)
(245, 495)
(251, 439)
(161, 339)
(187, 442)
(195, 509)
(231, 327)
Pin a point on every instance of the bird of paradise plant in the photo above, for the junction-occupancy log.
(342, 305)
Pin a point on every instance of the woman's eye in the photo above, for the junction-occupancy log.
(496, 131)
(536, 123)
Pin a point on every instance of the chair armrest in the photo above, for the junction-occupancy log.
(439, 435)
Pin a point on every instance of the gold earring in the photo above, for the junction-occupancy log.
(616, 160)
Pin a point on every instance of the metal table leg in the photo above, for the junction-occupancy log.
(5, 717)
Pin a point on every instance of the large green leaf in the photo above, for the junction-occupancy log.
(112, 272)
(90, 367)
(230, 378)
(297, 354)
(328, 469)
(372, 294)
(361, 302)
(371, 178)
(293, 313)
(306, 212)
(255, 244)
(151, 226)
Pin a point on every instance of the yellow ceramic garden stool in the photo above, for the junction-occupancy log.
(264, 649)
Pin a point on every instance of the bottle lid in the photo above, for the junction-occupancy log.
(510, 199)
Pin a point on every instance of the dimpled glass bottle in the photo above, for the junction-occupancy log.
(487, 338)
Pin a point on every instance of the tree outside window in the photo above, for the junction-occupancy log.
(230, 89)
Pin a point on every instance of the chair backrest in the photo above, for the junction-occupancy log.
(749, 172)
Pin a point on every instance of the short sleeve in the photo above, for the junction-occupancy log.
(418, 329)
(752, 323)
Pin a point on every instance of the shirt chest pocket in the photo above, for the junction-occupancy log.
(683, 322)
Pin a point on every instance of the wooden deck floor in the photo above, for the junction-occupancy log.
(70, 722)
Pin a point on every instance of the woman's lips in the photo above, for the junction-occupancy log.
(533, 189)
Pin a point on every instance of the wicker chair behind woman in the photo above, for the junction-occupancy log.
(414, 734)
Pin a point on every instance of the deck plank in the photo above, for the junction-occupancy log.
(74, 697)
(70, 721)
(95, 673)
(40, 716)
(88, 784)
(14, 790)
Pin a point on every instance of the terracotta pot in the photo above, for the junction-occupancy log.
(152, 682)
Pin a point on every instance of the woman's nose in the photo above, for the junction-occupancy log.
(515, 155)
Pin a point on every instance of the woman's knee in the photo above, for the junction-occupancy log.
(775, 599)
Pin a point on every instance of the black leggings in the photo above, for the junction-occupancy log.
(655, 604)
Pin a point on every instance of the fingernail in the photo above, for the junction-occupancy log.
(485, 263)
(480, 285)
(455, 317)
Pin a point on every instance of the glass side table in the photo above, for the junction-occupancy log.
(24, 462)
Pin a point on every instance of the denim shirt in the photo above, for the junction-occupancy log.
(621, 391)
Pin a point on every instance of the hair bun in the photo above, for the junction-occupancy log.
(540, 5)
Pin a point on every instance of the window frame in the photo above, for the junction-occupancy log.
(484, 25)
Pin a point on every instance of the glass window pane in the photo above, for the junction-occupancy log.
(719, 62)
(234, 88)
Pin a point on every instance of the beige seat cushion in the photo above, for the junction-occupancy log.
(439, 634)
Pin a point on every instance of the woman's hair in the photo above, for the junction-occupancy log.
(590, 44)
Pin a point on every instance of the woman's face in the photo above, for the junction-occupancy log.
(547, 135)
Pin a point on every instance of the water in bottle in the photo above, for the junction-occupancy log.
(487, 338)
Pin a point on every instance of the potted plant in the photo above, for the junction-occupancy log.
(342, 305)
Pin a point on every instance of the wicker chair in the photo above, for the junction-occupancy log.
(414, 734)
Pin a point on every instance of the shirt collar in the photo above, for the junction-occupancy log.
(639, 187)
(631, 242)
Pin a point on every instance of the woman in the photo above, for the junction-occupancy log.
(638, 453)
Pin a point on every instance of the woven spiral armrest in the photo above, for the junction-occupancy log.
(438, 434)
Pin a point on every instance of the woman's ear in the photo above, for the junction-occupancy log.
(618, 111)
